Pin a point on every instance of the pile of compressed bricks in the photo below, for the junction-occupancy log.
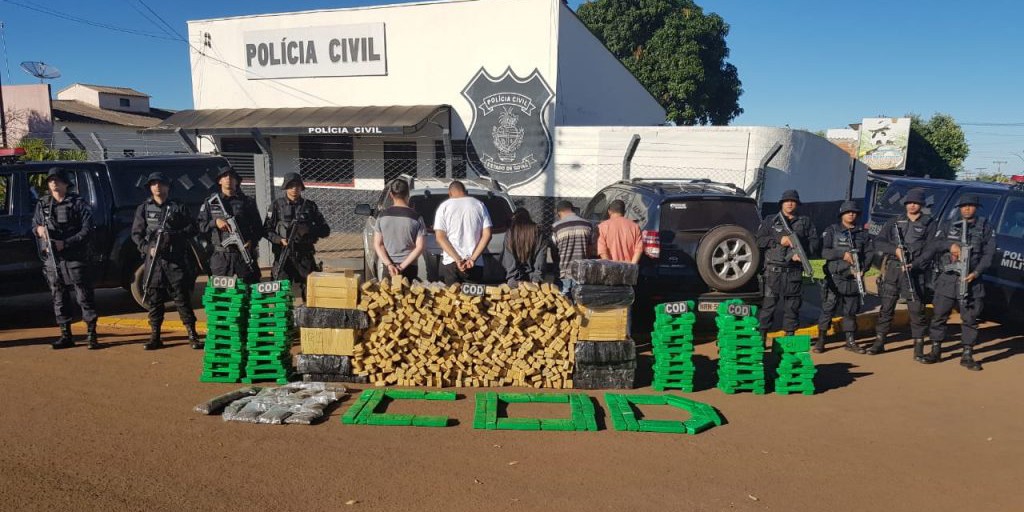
(582, 416)
(227, 309)
(740, 351)
(328, 337)
(672, 346)
(363, 411)
(604, 364)
(270, 333)
(794, 372)
(624, 418)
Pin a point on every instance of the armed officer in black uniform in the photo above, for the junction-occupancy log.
(915, 229)
(161, 230)
(225, 205)
(842, 245)
(783, 279)
(293, 226)
(949, 245)
(66, 220)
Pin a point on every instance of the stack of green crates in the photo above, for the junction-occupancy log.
(795, 371)
(740, 351)
(270, 333)
(672, 345)
(227, 309)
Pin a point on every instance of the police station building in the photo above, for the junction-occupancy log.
(351, 98)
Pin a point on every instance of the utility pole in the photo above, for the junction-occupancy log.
(3, 118)
(999, 165)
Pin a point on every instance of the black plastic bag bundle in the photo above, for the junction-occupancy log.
(603, 272)
(323, 364)
(604, 376)
(604, 352)
(603, 297)
(330, 318)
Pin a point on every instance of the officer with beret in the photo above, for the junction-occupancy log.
(948, 246)
(230, 203)
(842, 245)
(915, 229)
(783, 280)
(293, 226)
(65, 219)
(161, 230)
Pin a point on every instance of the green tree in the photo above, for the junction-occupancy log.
(37, 149)
(676, 51)
(994, 177)
(937, 147)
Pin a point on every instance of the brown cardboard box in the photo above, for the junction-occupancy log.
(335, 342)
(605, 325)
(333, 289)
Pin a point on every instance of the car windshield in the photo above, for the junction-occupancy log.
(891, 202)
(497, 207)
(191, 181)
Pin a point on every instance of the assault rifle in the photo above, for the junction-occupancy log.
(797, 247)
(286, 253)
(962, 264)
(51, 259)
(858, 273)
(157, 245)
(904, 260)
(234, 236)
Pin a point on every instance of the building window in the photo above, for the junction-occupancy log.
(458, 159)
(129, 153)
(327, 159)
(399, 159)
(125, 102)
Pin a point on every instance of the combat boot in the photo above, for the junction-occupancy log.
(935, 354)
(193, 337)
(91, 336)
(967, 360)
(819, 344)
(154, 338)
(65, 340)
(919, 350)
(878, 346)
(851, 343)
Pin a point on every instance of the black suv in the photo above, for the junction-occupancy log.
(113, 188)
(698, 239)
(1001, 204)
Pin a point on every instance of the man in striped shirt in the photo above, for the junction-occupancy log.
(574, 240)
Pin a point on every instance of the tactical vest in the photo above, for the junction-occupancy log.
(975, 238)
(914, 233)
(287, 212)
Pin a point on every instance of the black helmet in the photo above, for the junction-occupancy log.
(57, 172)
(290, 179)
(914, 195)
(849, 206)
(227, 169)
(157, 176)
(968, 199)
(790, 195)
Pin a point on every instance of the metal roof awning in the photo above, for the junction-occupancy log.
(373, 120)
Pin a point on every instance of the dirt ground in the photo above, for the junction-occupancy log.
(114, 430)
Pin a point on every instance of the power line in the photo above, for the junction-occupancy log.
(162, 20)
(77, 19)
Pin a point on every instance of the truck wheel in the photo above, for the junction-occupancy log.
(136, 285)
(728, 258)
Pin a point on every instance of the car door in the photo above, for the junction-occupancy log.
(12, 235)
(21, 267)
(1007, 271)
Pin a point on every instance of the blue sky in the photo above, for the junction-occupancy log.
(804, 63)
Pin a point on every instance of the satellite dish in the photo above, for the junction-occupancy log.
(40, 70)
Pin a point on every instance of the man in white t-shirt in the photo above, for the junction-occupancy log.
(463, 229)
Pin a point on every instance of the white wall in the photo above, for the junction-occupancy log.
(79, 93)
(113, 102)
(589, 158)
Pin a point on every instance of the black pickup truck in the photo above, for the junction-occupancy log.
(114, 188)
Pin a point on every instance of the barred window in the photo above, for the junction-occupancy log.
(327, 159)
(458, 159)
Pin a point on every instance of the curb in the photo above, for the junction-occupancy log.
(866, 323)
(139, 323)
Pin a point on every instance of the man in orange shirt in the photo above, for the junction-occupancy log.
(618, 238)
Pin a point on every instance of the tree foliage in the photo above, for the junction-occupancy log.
(937, 147)
(37, 149)
(994, 177)
(676, 51)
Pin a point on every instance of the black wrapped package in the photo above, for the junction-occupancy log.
(322, 363)
(596, 296)
(605, 352)
(330, 318)
(604, 376)
(603, 272)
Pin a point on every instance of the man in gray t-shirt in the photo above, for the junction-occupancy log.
(399, 235)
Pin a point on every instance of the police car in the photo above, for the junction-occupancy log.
(1001, 204)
